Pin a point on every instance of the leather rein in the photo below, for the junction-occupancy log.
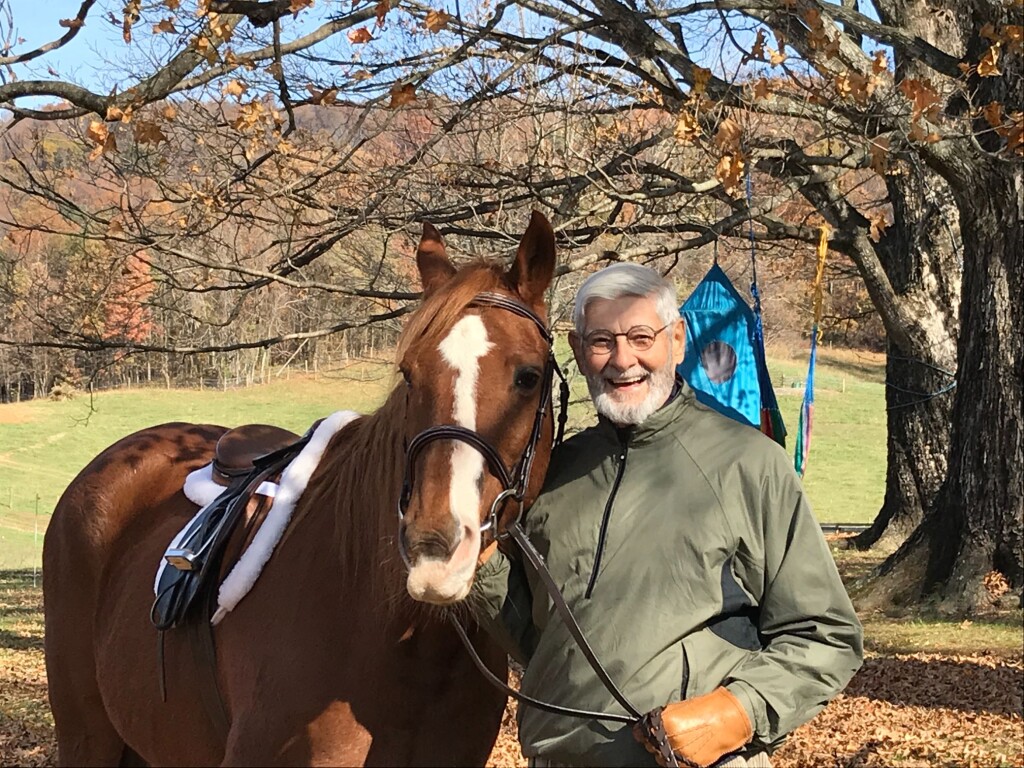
(514, 486)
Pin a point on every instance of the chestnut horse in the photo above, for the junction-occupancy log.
(340, 654)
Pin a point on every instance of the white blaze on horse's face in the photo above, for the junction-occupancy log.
(445, 581)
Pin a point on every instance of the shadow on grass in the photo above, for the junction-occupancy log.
(20, 578)
(16, 641)
(963, 685)
(863, 368)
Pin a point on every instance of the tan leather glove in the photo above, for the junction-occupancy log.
(486, 553)
(700, 731)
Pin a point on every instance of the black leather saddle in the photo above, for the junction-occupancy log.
(245, 457)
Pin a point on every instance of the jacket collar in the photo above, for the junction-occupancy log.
(660, 423)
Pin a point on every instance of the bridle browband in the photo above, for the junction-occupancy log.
(514, 486)
(514, 483)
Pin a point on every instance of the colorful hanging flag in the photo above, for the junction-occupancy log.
(803, 436)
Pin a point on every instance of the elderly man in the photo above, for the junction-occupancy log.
(683, 543)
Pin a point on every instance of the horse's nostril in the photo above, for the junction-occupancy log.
(432, 544)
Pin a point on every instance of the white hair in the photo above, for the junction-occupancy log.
(621, 280)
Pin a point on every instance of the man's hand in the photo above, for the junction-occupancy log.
(701, 730)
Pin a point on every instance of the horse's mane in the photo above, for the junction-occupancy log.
(360, 475)
(440, 311)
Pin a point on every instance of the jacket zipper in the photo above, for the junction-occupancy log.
(604, 522)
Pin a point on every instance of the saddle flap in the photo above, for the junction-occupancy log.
(238, 448)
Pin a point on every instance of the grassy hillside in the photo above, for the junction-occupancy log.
(43, 444)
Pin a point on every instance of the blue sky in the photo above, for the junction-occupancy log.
(37, 23)
(91, 58)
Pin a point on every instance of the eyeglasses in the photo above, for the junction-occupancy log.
(640, 337)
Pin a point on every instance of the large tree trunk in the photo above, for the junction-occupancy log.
(921, 257)
(969, 548)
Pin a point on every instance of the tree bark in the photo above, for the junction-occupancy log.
(968, 549)
(967, 552)
(921, 257)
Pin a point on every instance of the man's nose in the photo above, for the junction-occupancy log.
(623, 355)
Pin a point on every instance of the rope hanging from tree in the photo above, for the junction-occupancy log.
(771, 418)
(803, 435)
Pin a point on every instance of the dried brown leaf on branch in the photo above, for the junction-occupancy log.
(131, 15)
(235, 88)
(359, 35)
(687, 129)
(436, 21)
(729, 171)
(701, 78)
(879, 153)
(71, 23)
(402, 95)
(989, 64)
(728, 135)
(877, 228)
(923, 97)
(148, 132)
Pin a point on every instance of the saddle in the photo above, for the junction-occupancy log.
(244, 458)
(239, 448)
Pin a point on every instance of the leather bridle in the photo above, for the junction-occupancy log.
(514, 483)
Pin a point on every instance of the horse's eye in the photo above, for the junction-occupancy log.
(527, 378)
(406, 375)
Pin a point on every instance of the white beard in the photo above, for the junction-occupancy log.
(660, 383)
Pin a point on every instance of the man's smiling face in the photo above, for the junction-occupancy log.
(628, 384)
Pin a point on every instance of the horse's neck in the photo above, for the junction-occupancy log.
(353, 499)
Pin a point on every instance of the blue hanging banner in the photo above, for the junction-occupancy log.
(720, 363)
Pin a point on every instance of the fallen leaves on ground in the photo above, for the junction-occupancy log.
(922, 709)
(907, 710)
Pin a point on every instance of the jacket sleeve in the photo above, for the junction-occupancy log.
(501, 602)
(810, 635)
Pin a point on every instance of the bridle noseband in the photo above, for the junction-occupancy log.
(514, 484)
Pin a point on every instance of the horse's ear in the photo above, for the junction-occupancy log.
(534, 266)
(432, 260)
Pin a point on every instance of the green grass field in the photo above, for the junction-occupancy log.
(44, 443)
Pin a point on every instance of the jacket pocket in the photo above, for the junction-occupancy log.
(707, 661)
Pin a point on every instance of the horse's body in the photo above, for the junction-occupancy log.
(327, 660)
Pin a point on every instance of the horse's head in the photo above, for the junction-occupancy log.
(476, 367)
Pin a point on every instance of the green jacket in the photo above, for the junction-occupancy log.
(687, 551)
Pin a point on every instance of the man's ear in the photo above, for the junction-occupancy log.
(679, 341)
(576, 343)
(432, 260)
